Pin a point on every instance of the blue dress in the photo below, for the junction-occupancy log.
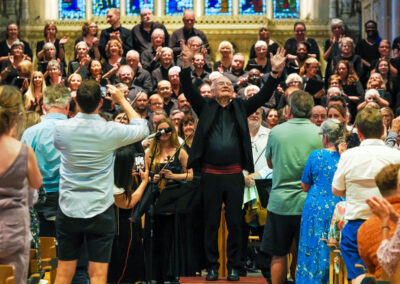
(313, 254)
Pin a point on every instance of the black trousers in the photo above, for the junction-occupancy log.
(218, 189)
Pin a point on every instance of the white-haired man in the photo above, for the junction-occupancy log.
(141, 77)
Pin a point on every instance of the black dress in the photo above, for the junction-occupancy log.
(175, 252)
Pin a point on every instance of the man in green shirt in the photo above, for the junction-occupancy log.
(289, 145)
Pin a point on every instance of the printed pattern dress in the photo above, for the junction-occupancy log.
(313, 255)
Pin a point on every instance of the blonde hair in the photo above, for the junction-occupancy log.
(118, 43)
(174, 142)
(307, 63)
(30, 93)
(11, 109)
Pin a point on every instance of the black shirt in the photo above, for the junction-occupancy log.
(180, 34)
(124, 34)
(146, 58)
(223, 146)
(4, 50)
(141, 39)
(291, 46)
(366, 51)
(143, 79)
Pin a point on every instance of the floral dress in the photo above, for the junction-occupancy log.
(314, 254)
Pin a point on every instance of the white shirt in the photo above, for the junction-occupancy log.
(258, 146)
(87, 144)
(356, 171)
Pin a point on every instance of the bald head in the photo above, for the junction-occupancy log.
(319, 114)
(188, 20)
(146, 16)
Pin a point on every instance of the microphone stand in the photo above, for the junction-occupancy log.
(150, 213)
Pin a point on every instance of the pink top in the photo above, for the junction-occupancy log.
(389, 252)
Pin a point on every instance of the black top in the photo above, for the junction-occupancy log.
(291, 46)
(141, 39)
(223, 146)
(106, 66)
(366, 51)
(74, 65)
(146, 58)
(42, 67)
(355, 59)
(207, 110)
(273, 48)
(11, 73)
(159, 74)
(197, 81)
(143, 79)
(396, 43)
(253, 64)
(178, 35)
(218, 64)
(40, 44)
(4, 49)
(124, 34)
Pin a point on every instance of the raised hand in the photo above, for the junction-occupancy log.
(116, 94)
(278, 61)
(380, 209)
(64, 40)
(186, 54)
(158, 53)
(11, 58)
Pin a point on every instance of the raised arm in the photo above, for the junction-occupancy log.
(278, 62)
(191, 93)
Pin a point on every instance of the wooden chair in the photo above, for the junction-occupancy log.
(337, 269)
(7, 275)
(395, 278)
(49, 256)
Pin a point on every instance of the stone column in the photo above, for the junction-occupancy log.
(395, 19)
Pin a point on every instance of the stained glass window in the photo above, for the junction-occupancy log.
(217, 7)
(133, 7)
(252, 7)
(72, 9)
(177, 7)
(286, 9)
(100, 7)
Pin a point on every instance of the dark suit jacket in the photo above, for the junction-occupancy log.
(207, 109)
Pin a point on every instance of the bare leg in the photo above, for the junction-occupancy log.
(65, 271)
(278, 269)
(98, 272)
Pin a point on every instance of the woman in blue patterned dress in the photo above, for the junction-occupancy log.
(313, 254)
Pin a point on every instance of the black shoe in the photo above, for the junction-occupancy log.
(212, 274)
(233, 275)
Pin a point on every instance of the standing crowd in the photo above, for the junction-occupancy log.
(80, 165)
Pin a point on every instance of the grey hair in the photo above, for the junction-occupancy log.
(371, 92)
(193, 38)
(125, 67)
(251, 87)
(48, 45)
(260, 43)
(56, 96)
(166, 49)
(121, 85)
(53, 63)
(17, 43)
(225, 43)
(158, 30)
(335, 90)
(345, 40)
(301, 104)
(293, 77)
(133, 53)
(214, 76)
(333, 129)
(336, 22)
(175, 68)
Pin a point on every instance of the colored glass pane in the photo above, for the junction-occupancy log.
(286, 9)
(177, 7)
(252, 7)
(133, 7)
(100, 7)
(217, 7)
(72, 10)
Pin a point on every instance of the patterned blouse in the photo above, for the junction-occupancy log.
(389, 252)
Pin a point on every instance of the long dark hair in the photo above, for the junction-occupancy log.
(123, 165)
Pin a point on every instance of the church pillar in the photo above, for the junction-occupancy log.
(51, 10)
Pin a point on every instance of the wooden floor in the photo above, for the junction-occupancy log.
(243, 280)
